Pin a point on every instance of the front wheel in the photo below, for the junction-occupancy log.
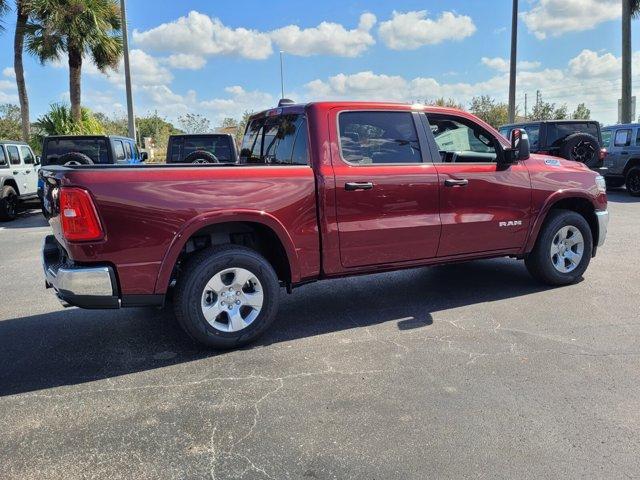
(633, 182)
(226, 296)
(8, 203)
(563, 250)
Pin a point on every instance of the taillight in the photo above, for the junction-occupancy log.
(603, 153)
(78, 216)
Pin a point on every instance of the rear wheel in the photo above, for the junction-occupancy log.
(563, 250)
(201, 156)
(8, 204)
(227, 296)
(582, 148)
(633, 182)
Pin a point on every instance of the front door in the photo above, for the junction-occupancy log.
(484, 206)
(386, 189)
(30, 172)
(619, 151)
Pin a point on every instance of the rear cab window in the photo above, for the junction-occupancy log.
(378, 137)
(557, 132)
(94, 148)
(276, 140)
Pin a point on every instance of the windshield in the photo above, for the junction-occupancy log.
(94, 148)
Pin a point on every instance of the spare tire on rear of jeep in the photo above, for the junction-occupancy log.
(582, 148)
(201, 156)
(72, 158)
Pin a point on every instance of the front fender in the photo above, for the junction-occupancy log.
(214, 218)
(552, 200)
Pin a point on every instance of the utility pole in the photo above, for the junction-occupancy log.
(525, 107)
(281, 75)
(512, 70)
(625, 103)
(127, 73)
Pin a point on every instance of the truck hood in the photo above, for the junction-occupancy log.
(549, 162)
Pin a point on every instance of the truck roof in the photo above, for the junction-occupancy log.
(621, 125)
(538, 122)
(298, 108)
(13, 142)
(117, 137)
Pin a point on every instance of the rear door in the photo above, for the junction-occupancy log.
(18, 169)
(483, 206)
(386, 189)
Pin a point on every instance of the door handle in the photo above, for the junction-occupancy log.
(351, 186)
(16, 172)
(624, 153)
(28, 171)
(456, 183)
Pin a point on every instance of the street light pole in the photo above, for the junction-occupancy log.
(281, 74)
(127, 72)
(512, 69)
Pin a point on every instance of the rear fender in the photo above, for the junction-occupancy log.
(213, 218)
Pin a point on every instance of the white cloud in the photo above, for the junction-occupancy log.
(9, 72)
(557, 17)
(185, 61)
(328, 38)
(411, 30)
(502, 64)
(589, 64)
(590, 77)
(146, 70)
(199, 34)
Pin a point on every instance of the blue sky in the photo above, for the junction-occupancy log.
(221, 58)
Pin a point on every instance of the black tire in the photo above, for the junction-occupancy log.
(582, 148)
(201, 156)
(74, 158)
(613, 182)
(190, 288)
(8, 204)
(539, 262)
(633, 182)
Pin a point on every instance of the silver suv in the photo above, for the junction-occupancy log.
(622, 164)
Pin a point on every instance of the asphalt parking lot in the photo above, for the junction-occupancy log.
(462, 371)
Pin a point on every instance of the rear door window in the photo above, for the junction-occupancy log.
(606, 138)
(127, 150)
(14, 156)
(378, 137)
(3, 158)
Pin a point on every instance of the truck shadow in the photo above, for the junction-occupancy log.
(620, 195)
(70, 347)
(26, 219)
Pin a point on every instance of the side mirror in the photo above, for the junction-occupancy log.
(144, 156)
(520, 149)
(38, 161)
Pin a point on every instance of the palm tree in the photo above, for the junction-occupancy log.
(22, 12)
(4, 8)
(630, 8)
(76, 28)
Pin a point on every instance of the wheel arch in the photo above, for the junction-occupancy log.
(633, 162)
(271, 240)
(577, 202)
(10, 181)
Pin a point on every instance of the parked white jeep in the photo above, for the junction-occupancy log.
(18, 177)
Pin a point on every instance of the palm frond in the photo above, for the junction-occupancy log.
(635, 7)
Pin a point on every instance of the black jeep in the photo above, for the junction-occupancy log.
(577, 140)
(202, 148)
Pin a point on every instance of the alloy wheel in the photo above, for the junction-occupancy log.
(232, 299)
(567, 249)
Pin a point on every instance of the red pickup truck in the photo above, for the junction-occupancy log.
(322, 190)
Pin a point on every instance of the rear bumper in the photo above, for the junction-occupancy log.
(603, 225)
(86, 287)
